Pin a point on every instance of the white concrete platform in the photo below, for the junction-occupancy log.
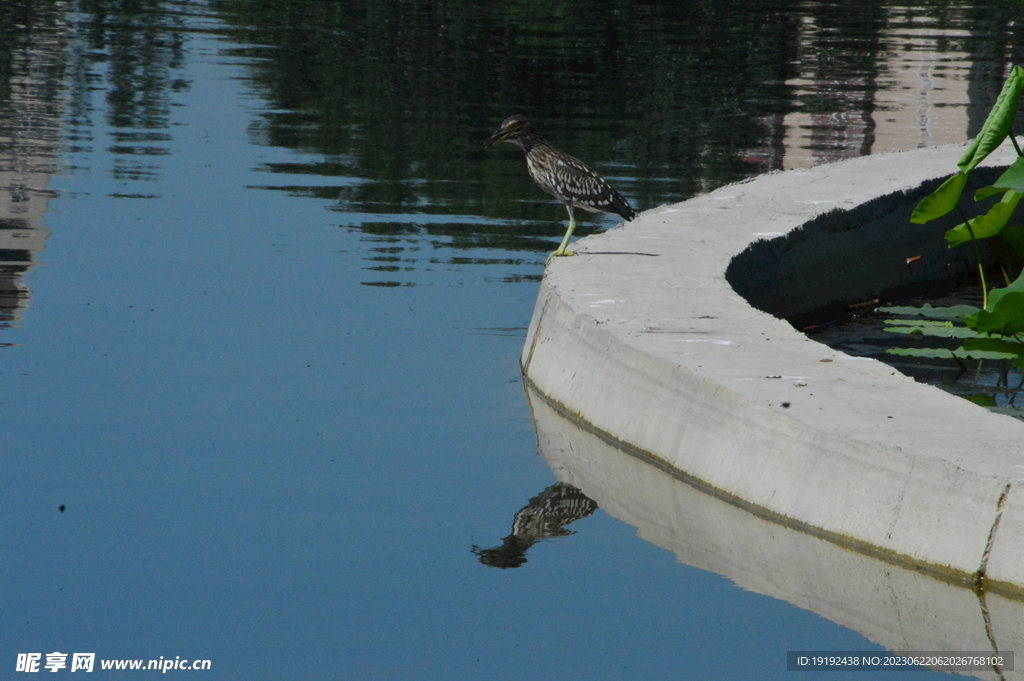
(895, 607)
(642, 339)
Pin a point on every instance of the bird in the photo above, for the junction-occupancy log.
(565, 177)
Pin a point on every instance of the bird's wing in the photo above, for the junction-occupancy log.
(578, 183)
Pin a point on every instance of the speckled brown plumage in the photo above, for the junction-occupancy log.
(566, 178)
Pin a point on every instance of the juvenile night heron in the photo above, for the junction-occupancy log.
(567, 179)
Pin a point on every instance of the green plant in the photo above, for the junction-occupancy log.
(1003, 357)
(1003, 310)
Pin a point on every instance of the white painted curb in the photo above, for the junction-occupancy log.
(642, 338)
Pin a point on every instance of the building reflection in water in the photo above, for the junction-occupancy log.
(544, 517)
(30, 144)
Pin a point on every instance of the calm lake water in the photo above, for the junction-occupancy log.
(263, 292)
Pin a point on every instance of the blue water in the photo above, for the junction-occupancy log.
(253, 416)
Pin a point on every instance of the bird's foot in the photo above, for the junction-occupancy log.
(558, 254)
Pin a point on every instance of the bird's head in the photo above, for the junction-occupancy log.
(515, 129)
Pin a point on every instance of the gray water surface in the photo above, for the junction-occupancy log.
(263, 294)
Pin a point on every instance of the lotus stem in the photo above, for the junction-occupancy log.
(977, 255)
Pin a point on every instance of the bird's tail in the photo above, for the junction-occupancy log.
(621, 207)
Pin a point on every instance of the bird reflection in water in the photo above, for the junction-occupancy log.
(546, 515)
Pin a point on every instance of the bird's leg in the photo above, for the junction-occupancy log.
(568, 233)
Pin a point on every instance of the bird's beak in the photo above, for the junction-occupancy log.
(497, 137)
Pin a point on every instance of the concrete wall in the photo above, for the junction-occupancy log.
(893, 606)
(642, 339)
(848, 256)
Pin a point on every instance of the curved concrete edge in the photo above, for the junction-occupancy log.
(892, 607)
(642, 339)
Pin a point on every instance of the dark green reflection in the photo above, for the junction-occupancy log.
(387, 103)
(132, 54)
(665, 99)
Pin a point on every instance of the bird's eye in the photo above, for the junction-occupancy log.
(513, 126)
